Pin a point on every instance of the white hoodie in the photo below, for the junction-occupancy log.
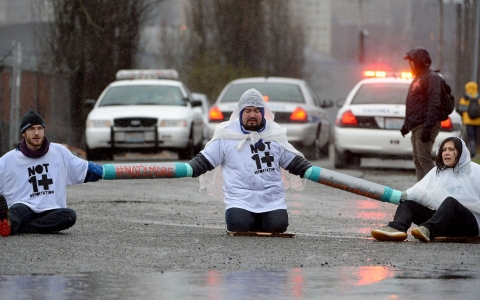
(463, 185)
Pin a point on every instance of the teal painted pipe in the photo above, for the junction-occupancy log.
(354, 185)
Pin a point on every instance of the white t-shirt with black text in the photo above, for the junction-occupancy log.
(40, 183)
(252, 175)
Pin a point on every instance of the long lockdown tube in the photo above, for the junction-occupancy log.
(316, 174)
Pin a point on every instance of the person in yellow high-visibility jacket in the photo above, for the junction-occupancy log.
(472, 126)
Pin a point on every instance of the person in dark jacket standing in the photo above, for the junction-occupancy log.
(422, 109)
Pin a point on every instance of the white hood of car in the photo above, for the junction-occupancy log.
(131, 111)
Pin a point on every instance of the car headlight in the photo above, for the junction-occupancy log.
(99, 123)
(173, 123)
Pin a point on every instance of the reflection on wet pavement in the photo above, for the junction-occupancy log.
(367, 282)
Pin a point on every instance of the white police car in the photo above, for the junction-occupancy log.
(369, 122)
(144, 111)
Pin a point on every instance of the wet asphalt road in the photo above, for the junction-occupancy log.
(165, 226)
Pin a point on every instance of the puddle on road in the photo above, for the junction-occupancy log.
(367, 282)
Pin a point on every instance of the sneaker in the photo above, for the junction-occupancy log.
(388, 233)
(422, 234)
(5, 223)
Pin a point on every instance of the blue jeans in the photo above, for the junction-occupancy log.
(472, 131)
(241, 220)
(451, 218)
(25, 220)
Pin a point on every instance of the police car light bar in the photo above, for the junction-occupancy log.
(147, 74)
(383, 74)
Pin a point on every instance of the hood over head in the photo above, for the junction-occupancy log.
(251, 97)
(471, 88)
(420, 57)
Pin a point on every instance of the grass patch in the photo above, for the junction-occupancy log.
(476, 160)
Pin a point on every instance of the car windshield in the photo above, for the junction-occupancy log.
(381, 93)
(282, 92)
(143, 95)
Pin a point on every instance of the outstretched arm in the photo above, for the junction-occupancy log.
(94, 172)
(200, 165)
(298, 166)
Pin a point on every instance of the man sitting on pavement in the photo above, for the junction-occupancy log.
(253, 189)
(33, 181)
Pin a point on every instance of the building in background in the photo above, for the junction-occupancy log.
(316, 19)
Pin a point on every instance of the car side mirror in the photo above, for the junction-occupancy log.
(326, 103)
(196, 103)
(89, 103)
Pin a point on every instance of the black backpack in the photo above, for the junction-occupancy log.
(447, 99)
(473, 110)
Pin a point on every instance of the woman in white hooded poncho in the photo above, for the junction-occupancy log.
(446, 202)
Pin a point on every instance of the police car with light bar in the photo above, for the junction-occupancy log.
(144, 111)
(294, 104)
(369, 121)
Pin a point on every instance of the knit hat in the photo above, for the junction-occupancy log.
(252, 97)
(29, 119)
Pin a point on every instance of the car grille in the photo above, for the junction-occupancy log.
(135, 122)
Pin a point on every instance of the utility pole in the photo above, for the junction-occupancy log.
(459, 48)
(440, 35)
(475, 42)
(362, 33)
(15, 96)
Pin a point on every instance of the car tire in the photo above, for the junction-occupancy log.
(99, 154)
(189, 152)
(314, 151)
(325, 151)
(346, 160)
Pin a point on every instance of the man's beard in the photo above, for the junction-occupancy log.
(252, 127)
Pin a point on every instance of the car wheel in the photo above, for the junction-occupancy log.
(313, 151)
(325, 150)
(339, 160)
(346, 160)
(189, 152)
(91, 154)
(99, 154)
(107, 154)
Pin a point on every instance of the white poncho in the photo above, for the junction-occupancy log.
(461, 182)
(212, 181)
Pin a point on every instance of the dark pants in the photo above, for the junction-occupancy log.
(241, 220)
(451, 218)
(25, 220)
(422, 152)
(472, 132)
